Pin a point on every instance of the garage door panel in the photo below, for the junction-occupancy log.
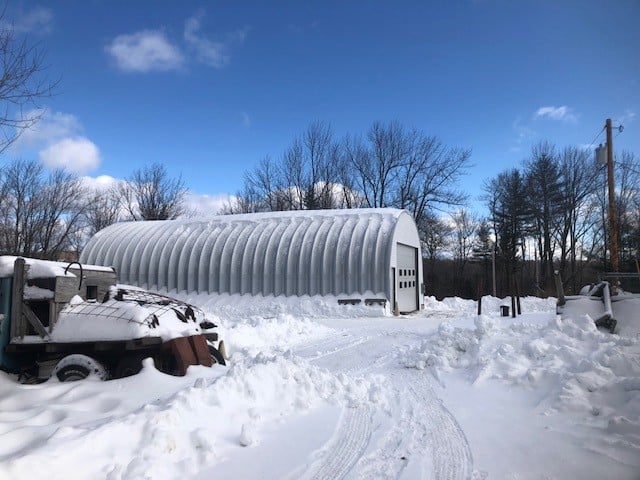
(407, 286)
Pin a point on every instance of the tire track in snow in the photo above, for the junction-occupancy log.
(425, 436)
(328, 346)
(345, 447)
(450, 452)
(353, 432)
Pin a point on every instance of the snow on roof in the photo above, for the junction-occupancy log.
(114, 320)
(128, 314)
(37, 268)
(306, 252)
(42, 268)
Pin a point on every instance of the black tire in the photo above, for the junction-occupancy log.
(128, 366)
(216, 355)
(72, 373)
(78, 367)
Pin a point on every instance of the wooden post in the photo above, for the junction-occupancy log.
(518, 296)
(17, 294)
(613, 221)
(559, 288)
(480, 291)
(513, 298)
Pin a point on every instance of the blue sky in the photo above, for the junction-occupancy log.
(210, 88)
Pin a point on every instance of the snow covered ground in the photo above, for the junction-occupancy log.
(317, 391)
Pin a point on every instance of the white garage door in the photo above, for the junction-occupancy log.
(407, 278)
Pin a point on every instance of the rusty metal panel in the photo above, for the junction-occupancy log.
(183, 353)
(201, 350)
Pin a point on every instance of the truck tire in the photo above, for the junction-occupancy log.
(78, 367)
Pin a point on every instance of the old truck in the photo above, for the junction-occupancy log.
(72, 321)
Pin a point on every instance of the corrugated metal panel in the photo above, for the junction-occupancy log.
(336, 252)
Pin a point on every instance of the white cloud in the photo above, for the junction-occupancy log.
(212, 53)
(59, 141)
(628, 117)
(563, 113)
(524, 132)
(145, 51)
(207, 205)
(101, 182)
(78, 155)
(38, 20)
(50, 127)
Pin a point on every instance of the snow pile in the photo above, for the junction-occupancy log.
(570, 363)
(238, 306)
(178, 434)
(273, 334)
(626, 309)
(458, 306)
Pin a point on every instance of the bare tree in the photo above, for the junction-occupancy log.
(429, 178)
(627, 179)
(483, 250)
(23, 82)
(627, 186)
(40, 214)
(391, 167)
(21, 184)
(406, 169)
(62, 212)
(435, 235)
(389, 146)
(102, 209)
(349, 151)
(578, 184)
(150, 194)
(464, 228)
(320, 167)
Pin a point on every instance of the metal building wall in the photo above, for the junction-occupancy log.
(334, 252)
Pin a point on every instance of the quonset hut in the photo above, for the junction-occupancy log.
(370, 255)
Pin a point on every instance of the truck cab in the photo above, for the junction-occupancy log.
(71, 321)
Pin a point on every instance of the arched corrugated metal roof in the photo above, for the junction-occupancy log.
(329, 252)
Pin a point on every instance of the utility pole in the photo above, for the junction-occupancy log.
(613, 222)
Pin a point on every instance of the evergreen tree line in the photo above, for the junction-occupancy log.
(552, 214)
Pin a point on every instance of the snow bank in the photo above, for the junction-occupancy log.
(178, 435)
(242, 306)
(458, 306)
(570, 363)
(275, 334)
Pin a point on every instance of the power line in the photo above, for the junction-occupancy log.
(625, 166)
(596, 137)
